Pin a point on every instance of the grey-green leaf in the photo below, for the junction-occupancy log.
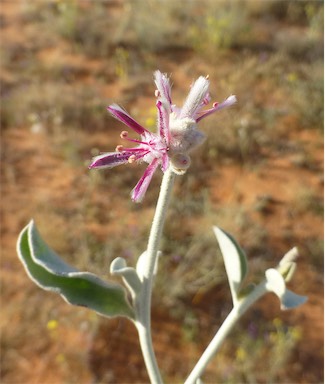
(51, 273)
(234, 259)
(275, 282)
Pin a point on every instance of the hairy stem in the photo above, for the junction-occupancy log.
(143, 322)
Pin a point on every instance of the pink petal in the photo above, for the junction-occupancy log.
(216, 107)
(165, 163)
(125, 118)
(227, 103)
(110, 160)
(163, 123)
(164, 89)
(140, 189)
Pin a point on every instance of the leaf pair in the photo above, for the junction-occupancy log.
(51, 273)
(275, 278)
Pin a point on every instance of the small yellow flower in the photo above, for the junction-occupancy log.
(292, 77)
(296, 333)
(60, 358)
(277, 322)
(150, 122)
(52, 324)
(241, 354)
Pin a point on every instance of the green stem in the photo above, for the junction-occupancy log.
(143, 322)
(224, 330)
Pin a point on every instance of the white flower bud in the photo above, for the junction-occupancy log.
(184, 134)
(180, 163)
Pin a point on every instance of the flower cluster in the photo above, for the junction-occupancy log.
(177, 133)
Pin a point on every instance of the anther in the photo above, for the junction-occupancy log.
(215, 104)
(119, 148)
(131, 159)
(124, 134)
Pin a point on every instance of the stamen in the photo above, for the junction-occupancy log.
(137, 141)
(119, 148)
(124, 135)
(207, 112)
(142, 155)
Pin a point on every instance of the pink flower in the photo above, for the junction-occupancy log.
(176, 136)
(181, 123)
(152, 148)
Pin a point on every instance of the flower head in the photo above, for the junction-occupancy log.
(176, 136)
(152, 148)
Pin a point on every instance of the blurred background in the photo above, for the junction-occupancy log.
(259, 175)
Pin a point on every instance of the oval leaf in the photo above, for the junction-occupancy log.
(234, 259)
(291, 300)
(51, 273)
(276, 283)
